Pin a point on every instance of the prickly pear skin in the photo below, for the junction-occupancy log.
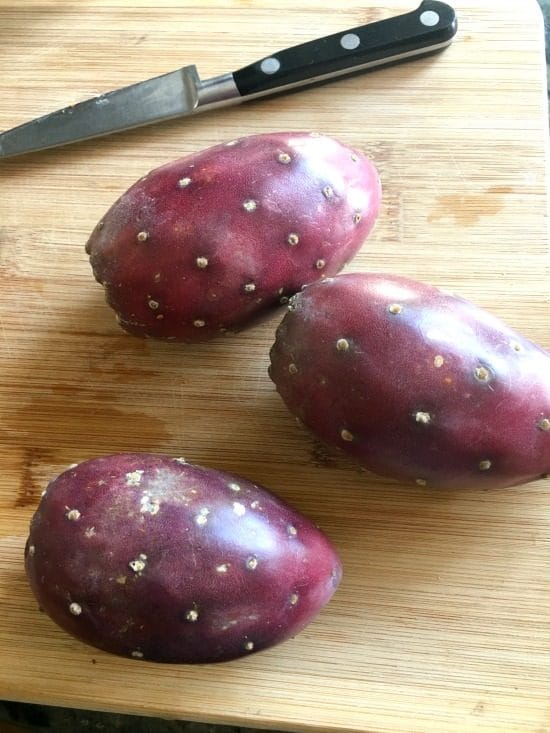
(149, 557)
(216, 240)
(415, 384)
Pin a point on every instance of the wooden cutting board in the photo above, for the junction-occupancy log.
(442, 622)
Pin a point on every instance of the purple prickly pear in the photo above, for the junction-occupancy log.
(415, 384)
(152, 558)
(212, 242)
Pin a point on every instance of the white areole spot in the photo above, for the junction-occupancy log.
(271, 65)
(75, 609)
(202, 517)
(192, 615)
(138, 565)
(292, 531)
(199, 323)
(255, 504)
(234, 487)
(223, 568)
(181, 460)
(423, 417)
(32, 550)
(73, 515)
(134, 477)
(148, 505)
(349, 41)
(201, 262)
(250, 205)
(252, 562)
(429, 18)
(249, 646)
(239, 508)
(142, 236)
(284, 158)
(137, 654)
(438, 361)
(342, 344)
(421, 482)
(484, 465)
(184, 182)
(153, 304)
(346, 435)
(293, 239)
(89, 532)
(293, 600)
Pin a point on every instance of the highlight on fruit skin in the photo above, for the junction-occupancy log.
(415, 384)
(215, 241)
(152, 558)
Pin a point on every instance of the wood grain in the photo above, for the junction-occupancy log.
(442, 622)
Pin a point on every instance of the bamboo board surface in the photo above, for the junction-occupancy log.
(442, 622)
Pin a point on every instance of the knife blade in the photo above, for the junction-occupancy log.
(426, 30)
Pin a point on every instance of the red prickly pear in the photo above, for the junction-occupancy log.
(415, 384)
(216, 240)
(149, 557)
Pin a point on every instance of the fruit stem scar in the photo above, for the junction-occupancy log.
(293, 239)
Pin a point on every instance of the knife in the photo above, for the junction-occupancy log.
(180, 93)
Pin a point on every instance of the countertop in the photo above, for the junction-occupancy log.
(61, 719)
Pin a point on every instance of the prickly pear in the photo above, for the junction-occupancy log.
(150, 557)
(213, 241)
(413, 383)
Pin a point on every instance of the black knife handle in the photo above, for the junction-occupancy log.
(422, 31)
